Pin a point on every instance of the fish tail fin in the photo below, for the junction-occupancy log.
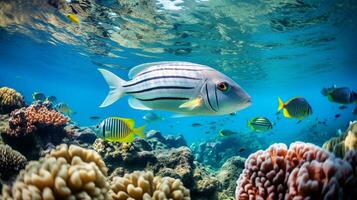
(140, 131)
(281, 104)
(116, 90)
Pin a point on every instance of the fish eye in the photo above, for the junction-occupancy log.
(97, 126)
(223, 86)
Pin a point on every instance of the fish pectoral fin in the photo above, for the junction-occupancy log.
(286, 113)
(192, 104)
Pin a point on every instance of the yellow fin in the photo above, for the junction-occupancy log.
(286, 113)
(129, 138)
(140, 131)
(127, 121)
(192, 104)
(281, 104)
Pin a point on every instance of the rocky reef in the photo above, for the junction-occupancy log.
(163, 157)
(215, 152)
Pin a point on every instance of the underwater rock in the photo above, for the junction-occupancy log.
(344, 143)
(215, 152)
(66, 173)
(157, 141)
(10, 100)
(83, 135)
(11, 162)
(227, 176)
(304, 171)
(32, 128)
(143, 185)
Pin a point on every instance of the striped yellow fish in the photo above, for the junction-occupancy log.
(116, 129)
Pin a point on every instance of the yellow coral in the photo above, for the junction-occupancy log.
(144, 186)
(346, 142)
(10, 100)
(66, 173)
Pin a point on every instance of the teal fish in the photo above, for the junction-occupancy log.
(227, 132)
(296, 107)
(116, 129)
(64, 108)
(260, 124)
(51, 99)
(341, 95)
(38, 96)
(152, 117)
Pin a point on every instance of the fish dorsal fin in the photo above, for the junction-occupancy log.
(136, 104)
(139, 68)
(127, 121)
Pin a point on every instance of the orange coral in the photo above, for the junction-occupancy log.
(10, 100)
(28, 120)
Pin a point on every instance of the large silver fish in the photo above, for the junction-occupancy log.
(182, 87)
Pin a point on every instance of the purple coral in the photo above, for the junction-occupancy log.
(304, 171)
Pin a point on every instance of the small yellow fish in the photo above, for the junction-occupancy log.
(116, 129)
(73, 18)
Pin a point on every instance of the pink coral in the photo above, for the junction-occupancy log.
(304, 171)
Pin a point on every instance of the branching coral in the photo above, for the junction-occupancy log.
(346, 142)
(143, 185)
(32, 128)
(66, 173)
(11, 162)
(10, 100)
(304, 171)
(30, 119)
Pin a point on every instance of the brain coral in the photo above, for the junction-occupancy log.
(11, 162)
(143, 185)
(66, 173)
(346, 142)
(10, 100)
(304, 171)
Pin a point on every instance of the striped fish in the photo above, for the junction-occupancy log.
(260, 124)
(296, 107)
(116, 129)
(181, 87)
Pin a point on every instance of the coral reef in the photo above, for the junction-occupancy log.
(10, 100)
(214, 153)
(344, 143)
(174, 162)
(304, 171)
(157, 141)
(32, 128)
(11, 162)
(143, 185)
(66, 173)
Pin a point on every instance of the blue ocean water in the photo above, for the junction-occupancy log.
(271, 48)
